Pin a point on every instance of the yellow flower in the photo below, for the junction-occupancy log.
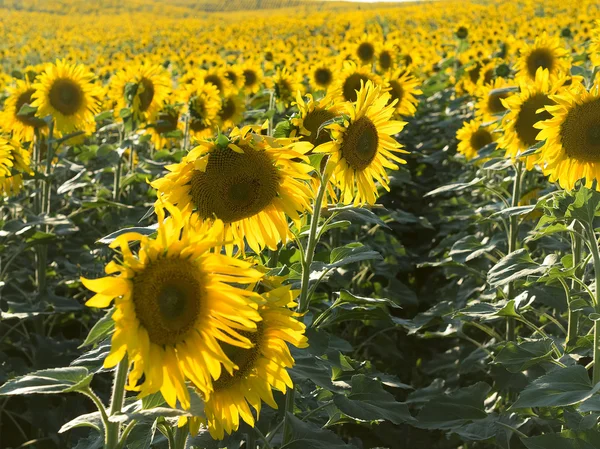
(253, 77)
(252, 184)
(67, 93)
(232, 110)
(311, 116)
(14, 161)
(203, 104)
(174, 302)
(403, 88)
(572, 148)
(167, 122)
(546, 53)
(22, 126)
(473, 137)
(350, 80)
(363, 147)
(143, 89)
(526, 108)
(260, 368)
(286, 84)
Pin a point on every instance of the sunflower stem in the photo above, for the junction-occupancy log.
(250, 440)
(116, 403)
(304, 300)
(181, 435)
(593, 245)
(117, 183)
(573, 317)
(513, 232)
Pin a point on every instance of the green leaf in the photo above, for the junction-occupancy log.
(512, 211)
(455, 409)
(469, 248)
(515, 265)
(26, 111)
(585, 205)
(368, 401)
(102, 329)
(93, 441)
(352, 252)
(141, 435)
(93, 420)
(306, 435)
(559, 388)
(518, 357)
(457, 187)
(348, 298)
(49, 381)
(564, 440)
(357, 214)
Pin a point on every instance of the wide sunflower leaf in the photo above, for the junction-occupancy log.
(49, 381)
(518, 357)
(559, 388)
(306, 435)
(368, 401)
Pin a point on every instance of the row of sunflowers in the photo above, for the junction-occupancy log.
(225, 172)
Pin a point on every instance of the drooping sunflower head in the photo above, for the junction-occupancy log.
(572, 133)
(67, 93)
(402, 88)
(350, 80)
(547, 53)
(527, 108)
(175, 300)
(202, 102)
(164, 130)
(251, 182)
(22, 126)
(261, 368)
(489, 99)
(310, 119)
(141, 88)
(362, 147)
(286, 84)
(472, 137)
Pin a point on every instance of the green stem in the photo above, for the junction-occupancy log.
(250, 440)
(90, 394)
(126, 433)
(116, 402)
(181, 435)
(266, 444)
(117, 183)
(593, 244)
(513, 233)
(304, 300)
(573, 317)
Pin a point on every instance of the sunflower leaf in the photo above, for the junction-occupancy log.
(49, 381)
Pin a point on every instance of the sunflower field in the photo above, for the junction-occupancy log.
(295, 224)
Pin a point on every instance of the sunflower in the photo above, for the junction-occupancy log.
(14, 161)
(403, 88)
(350, 80)
(546, 52)
(143, 89)
(526, 108)
(252, 184)
(386, 57)
(286, 84)
(22, 126)
(67, 93)
(572, 133)
(175, 301)
(473, 136)
(235, 76)
(203, 104)
(365, 50)
(489, 104)
(217, 77)
(321, 76)
(363, 146)
(232, 110)
(167, 123)
(253, 77)
(262, 368)
(311, 116)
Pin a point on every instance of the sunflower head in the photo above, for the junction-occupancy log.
(14, 162)
(546, 53)
(571, 151)
(246, 180)
(472, 137)
(489, 99)
(22, 126)
(67, 93)
(141, 88)
(175, 300)
(350, 80)
(362, 146)
(311, 117)
(402, 88)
